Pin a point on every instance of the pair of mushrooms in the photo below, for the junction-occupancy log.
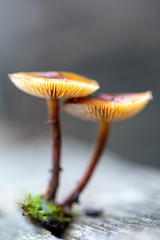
(103, 108)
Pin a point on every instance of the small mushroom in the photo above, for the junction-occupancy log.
(53, 86)
(104, 109)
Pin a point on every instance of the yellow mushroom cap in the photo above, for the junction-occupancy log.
(108, 107)
(54, 84)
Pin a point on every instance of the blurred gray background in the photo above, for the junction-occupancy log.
(116, 42)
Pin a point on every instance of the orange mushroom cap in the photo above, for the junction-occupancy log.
(108, 107)
(54, 84)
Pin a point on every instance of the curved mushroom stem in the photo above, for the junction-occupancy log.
(103, 133)
(53, 112)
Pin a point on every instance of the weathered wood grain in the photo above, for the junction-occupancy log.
(128, 193)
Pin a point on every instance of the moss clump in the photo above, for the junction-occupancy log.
(40, 211)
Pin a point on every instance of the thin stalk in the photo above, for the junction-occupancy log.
(53, 112)
(103, 133)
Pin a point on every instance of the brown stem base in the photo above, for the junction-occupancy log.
(103, 133)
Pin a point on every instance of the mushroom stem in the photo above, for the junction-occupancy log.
(53, 112)
(103, 133)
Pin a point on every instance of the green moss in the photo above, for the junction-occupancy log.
(36, 208)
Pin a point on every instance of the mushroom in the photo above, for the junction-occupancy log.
(53, 86)
(104, 109)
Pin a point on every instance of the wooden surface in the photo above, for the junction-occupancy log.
(129, 194)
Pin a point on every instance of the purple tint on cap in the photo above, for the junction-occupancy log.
(55, 75)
